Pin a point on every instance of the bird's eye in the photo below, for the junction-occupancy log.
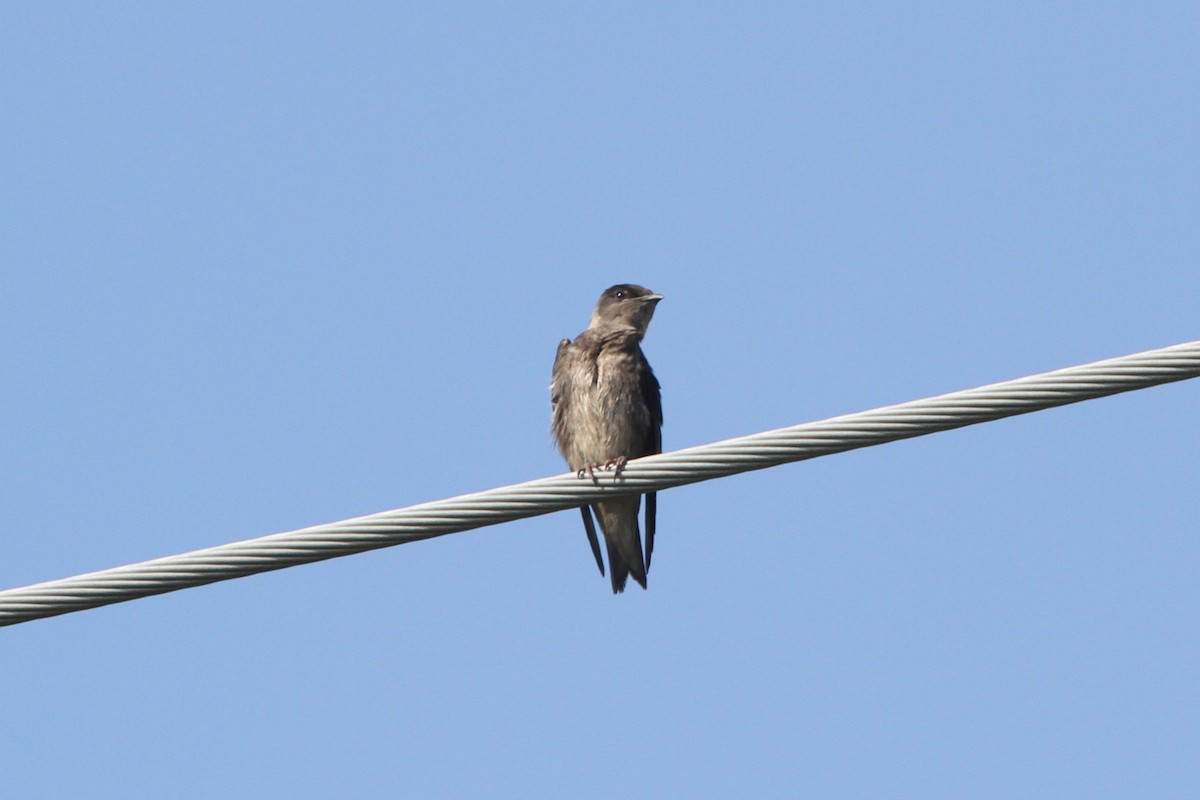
(619, 294)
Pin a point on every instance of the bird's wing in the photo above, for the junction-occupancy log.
(560, 357)
(652, 397)
(590, 527)
(566, 352)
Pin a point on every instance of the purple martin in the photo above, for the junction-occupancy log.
(607, 409)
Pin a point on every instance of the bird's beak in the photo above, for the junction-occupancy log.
(651, 298)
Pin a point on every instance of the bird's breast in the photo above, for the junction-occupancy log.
(603, 411)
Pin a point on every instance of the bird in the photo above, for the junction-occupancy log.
(606, 408)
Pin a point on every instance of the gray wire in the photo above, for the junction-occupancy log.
(758, 451)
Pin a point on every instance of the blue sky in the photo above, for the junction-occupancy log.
(268, 266)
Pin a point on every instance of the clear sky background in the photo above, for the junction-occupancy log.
(269, 265)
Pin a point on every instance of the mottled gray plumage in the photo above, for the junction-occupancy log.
(607, 408)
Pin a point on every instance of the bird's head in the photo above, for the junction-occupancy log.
(625, 305)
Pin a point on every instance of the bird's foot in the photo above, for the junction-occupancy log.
(590, 470)
(616, 464)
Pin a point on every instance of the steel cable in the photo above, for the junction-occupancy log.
(543, 496)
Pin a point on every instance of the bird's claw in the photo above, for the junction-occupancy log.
(590, 469)
(616, 464)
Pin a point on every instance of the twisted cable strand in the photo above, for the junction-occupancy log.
(543, 496)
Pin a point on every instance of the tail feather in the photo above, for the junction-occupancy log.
(619, 522)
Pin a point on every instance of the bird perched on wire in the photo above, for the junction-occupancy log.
(607, 409)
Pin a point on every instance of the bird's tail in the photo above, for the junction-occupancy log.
(619, 522)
